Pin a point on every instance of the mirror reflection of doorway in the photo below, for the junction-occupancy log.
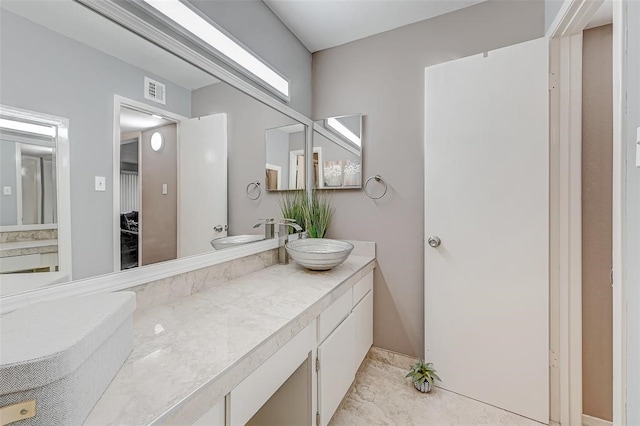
(148, 188)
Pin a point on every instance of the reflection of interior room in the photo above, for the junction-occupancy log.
(148, 188)
(28, 239)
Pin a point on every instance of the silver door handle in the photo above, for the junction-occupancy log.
(434, 241)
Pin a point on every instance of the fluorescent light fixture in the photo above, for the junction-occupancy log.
(196, 25)
(21, 126)
(341, 129)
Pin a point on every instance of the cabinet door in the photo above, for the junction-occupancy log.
(363, 320)
(337, 358)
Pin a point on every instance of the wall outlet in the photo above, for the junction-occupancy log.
(164, 189)
(6, 190)
(101, 183)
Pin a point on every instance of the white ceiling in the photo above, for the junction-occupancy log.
(133, 121)
(73, 20)
(603, 16)
(321, 24)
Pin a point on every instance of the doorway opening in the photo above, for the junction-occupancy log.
(146, 185)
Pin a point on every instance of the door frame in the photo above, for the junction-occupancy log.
(118, 103)
(565, 37)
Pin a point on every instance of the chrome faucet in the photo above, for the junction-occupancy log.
(283, 237)
(269, 227)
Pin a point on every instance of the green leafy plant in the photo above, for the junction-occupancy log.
(293, 205)
(421, 372)
(317, 214)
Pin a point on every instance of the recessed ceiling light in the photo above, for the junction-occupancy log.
(205, 31)
(156, 141)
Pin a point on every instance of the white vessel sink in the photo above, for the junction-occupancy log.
(235, 240)
(319, 254)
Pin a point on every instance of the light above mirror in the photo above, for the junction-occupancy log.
(22, 126)
(191, 21)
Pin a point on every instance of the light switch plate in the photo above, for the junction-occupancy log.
(101, 183)
(6, 190)
(638, 147)
(164, 189)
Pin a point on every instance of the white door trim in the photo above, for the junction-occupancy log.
(565, 126)
(118, 103)
(619, 208)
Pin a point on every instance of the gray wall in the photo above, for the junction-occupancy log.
(278, 153)
(247, 121)
(383, 77)
(45, 72)
(253, 24)
(551, 9)
(633, 217)
(597, 233)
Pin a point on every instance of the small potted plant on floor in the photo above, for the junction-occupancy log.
(423, 375)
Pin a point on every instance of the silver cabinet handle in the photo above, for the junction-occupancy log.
(434, 241)
(218, 228)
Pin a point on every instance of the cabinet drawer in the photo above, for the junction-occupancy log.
(334, 315)
(362, 287)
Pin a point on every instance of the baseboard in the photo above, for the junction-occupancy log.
(594, 421)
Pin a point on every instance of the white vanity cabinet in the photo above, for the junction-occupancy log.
(342, 352)
(284, 388)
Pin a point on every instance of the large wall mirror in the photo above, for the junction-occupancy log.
(337, 155)
(160, 151)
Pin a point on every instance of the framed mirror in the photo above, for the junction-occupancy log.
(337, 148)
(160, 150)
(34, 205)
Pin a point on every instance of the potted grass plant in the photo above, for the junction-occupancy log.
(317, 214)
(293, 205)
(423, 375)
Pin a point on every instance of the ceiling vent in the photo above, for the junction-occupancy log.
(155, 91)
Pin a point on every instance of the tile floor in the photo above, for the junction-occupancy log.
(381, 395)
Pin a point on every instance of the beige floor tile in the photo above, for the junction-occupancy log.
(382, 396)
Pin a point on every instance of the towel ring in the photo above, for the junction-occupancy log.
(377, 178)
(250, 190)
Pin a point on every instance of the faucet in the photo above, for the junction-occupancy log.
(269, 227)
(283, 237)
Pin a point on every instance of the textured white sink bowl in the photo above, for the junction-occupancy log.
(319, 254)
(235, 240)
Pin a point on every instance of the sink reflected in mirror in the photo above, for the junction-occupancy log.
(319, 254)
(234, 241)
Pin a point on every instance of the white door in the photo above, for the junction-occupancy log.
(486, 199)
(203, 183)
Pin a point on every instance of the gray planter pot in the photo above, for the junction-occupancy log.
(424, 388)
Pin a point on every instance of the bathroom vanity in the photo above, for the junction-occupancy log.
(280, 341)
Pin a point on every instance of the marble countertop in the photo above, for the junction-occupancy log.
(190, 353)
